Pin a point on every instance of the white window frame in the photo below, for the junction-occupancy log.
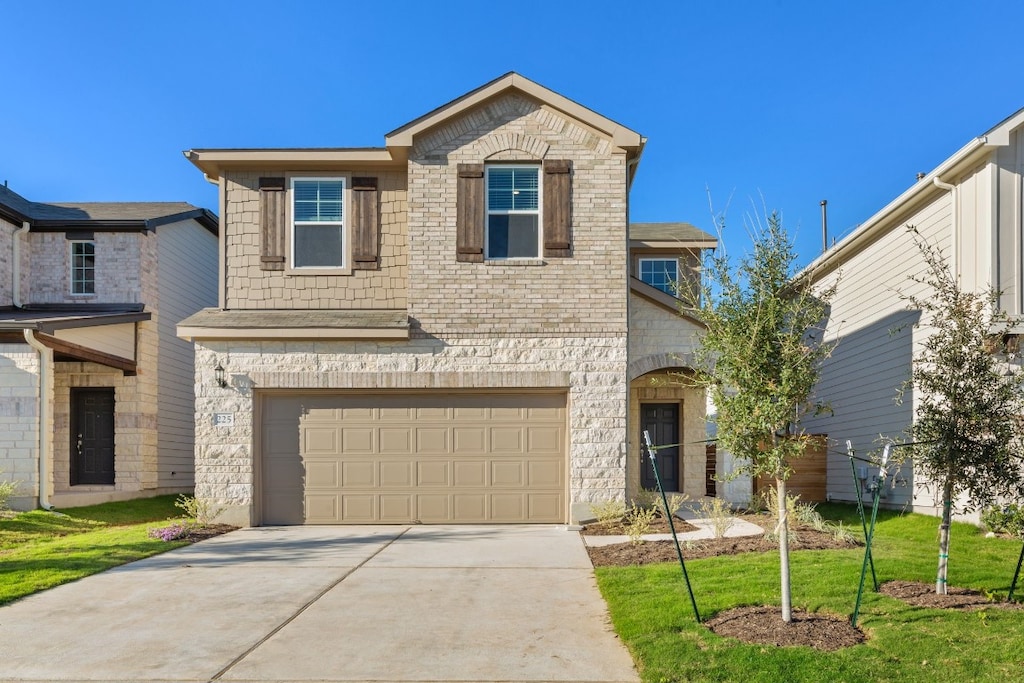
(673, 281)
(539, 211)
(74, 268)
(344, 268)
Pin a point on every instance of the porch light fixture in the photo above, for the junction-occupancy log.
(219, 375)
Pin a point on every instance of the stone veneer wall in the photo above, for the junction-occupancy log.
(249, 287)
(19, 415)
(590, 369)
(6, 262)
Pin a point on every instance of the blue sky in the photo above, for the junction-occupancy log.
(791, 101)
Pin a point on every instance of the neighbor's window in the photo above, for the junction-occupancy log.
(662, 273)
(318, 222)
(83, 267)
(513, 212)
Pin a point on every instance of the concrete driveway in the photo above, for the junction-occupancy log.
(383, 603)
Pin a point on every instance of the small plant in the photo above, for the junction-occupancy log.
(648, 499)
(7, 490)
(638, 523)
(676, 501)
(718, 512)
(201, 510)
(172, 532)
(1004, 519)
(608, 511)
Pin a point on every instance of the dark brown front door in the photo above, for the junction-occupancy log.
(92, 436)
(661, 421)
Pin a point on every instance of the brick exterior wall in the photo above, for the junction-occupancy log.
(6, 262)
(19, 417)
(119, 269)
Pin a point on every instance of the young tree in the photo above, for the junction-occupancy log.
(967, 432)
(760, 360)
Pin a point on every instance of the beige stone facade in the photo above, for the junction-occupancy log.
(498, 325)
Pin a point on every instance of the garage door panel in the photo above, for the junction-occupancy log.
(396, 440)
(432, 440)
(433, 473)
(322, 474)
(469, 474)
(358, 474)
(469, 440)
(399, 458)
(506, 440)
(507, 474)
(396, 474)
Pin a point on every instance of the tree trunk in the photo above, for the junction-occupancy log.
(947, 503)
(783, 528)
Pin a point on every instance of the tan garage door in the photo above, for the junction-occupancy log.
(432, 458)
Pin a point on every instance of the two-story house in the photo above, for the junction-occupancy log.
(970, 206)
(459, 326)
(96, 390)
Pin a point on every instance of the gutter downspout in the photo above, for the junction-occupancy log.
(16, 255)
(45, 434)
(953, 251)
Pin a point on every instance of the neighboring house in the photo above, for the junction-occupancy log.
(444, 329)
(971, 207)
(96, 391)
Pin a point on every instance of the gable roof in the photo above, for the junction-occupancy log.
(111, 215)
(213, 161)
(619, 134)
(934, 182)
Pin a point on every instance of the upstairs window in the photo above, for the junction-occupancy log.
(513, 212)
(83, 267)
(318, 223)
(661, 273)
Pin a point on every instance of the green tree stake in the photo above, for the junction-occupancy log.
(876, 491)
(1016, 575)
(671, 525)
(860, 511)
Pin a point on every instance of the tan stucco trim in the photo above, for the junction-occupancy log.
(84, 353)
(382, 382)
(213, 333)
(674, 244)
(666, 301)
(619, 134)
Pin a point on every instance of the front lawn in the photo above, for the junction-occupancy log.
(40, 550)
(651, 611)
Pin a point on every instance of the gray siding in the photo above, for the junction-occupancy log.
(875, 338)
(187, 258)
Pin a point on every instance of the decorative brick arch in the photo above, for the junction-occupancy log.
(498, 146)
(641, 366)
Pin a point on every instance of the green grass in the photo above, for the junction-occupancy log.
(651, 611)
(40, 550)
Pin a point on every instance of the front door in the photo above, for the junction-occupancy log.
(661, 421)
(92, 436)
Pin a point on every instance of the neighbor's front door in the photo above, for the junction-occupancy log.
(92, 436)
(661, 421)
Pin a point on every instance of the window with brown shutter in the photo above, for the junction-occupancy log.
(365, 226)
(272, 223)
(557, 208)
(470, 203)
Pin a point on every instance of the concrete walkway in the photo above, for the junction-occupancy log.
(705, 530)
(386, 603)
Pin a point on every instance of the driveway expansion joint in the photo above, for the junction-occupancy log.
(217, 676)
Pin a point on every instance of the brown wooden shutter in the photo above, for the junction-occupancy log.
(365, 226)
(557, 208)
(470, 214)
(272, 223)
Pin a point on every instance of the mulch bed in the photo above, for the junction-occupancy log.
(658, 526)
(205, 532)
(650, 552)
(764, 626)
(923, 595)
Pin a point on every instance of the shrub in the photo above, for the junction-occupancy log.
(647, 499)
(202, 511)
(608, 511)
(7, 489)
(1004, 519)
(718, 512)
(638, 523)
(172, 532)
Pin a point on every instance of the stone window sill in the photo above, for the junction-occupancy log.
(515, 262)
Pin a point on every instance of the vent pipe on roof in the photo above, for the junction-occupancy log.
(824, 225)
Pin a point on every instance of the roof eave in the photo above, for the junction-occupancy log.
(213, 162)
